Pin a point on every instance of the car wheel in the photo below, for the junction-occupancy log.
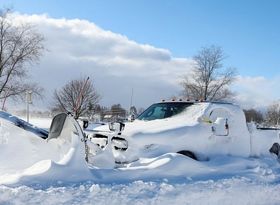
(188, 154)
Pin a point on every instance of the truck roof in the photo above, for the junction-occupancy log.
(194, 101)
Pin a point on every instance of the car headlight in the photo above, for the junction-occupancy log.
(119, 143)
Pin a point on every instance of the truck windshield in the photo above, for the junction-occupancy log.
(163, 110)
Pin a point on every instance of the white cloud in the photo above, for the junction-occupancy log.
(257, 91)
(117, 64)
(78, 48)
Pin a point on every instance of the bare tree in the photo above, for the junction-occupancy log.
(209, 80)
(76, 97)
(273, 114)
(19, 45)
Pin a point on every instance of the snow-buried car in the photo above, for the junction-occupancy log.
(196, 129)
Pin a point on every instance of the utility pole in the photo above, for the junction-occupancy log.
(28, 101)
(131, 100)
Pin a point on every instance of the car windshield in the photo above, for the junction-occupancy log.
(163, 110)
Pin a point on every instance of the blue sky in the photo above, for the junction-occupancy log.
(151, 43)
(247, 30)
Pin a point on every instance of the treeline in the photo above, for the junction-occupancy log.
(115, 113)
(269, 117)
(95, 113)
(98, 112)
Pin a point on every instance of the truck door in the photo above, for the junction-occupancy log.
(220, 121)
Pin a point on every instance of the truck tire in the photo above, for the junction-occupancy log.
(188, 154)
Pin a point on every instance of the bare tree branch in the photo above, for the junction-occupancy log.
(66, 99)
(19, 45)
(209, 81)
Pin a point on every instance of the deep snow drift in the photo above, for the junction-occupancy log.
(35, 171)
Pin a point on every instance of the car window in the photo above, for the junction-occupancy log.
(163, 110)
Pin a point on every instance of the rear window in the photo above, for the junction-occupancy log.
(163, 110)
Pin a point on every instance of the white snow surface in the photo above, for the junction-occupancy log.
(34, 171)
(44, 123)
(228, 191)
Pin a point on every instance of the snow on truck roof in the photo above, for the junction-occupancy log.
(165, 109)
(195, 101)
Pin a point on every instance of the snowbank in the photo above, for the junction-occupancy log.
(55, 172)
(28, 159)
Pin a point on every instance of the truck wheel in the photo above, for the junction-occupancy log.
(188, 154)
(275, 149)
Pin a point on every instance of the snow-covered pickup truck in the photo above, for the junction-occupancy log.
(195, 129)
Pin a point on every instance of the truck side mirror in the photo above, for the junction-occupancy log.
(85, 124)
(57, 125)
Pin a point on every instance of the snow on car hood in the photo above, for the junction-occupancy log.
(193, 127)
(188, 117)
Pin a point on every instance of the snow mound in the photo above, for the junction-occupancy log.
(28, 159)
(38, 171)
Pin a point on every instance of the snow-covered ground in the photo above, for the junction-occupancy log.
(227, 191)
(166, 179)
